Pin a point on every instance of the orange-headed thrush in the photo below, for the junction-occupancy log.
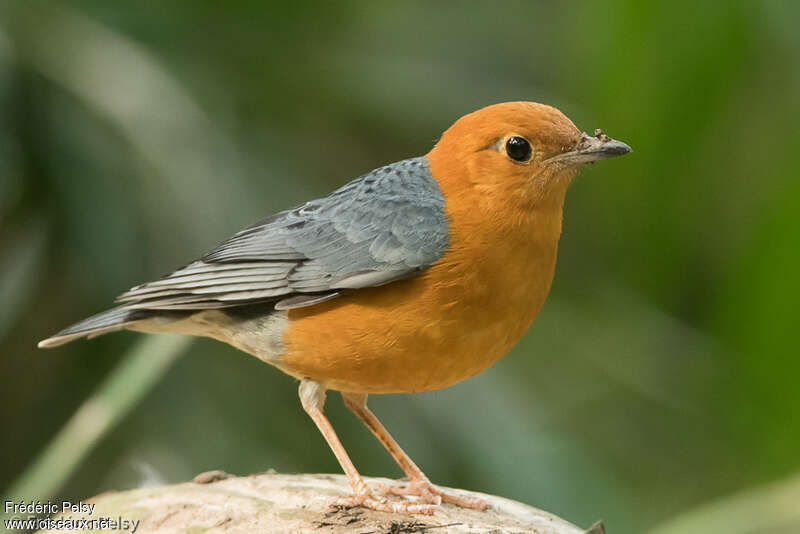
(410, 278)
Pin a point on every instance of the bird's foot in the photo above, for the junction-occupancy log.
(367, 500)
(432, 495)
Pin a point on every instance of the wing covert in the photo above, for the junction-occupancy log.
(383, 226)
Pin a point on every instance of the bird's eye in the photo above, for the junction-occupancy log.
(518, 148)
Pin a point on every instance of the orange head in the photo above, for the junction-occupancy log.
(519, 150)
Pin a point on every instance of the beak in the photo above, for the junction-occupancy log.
(590, 149)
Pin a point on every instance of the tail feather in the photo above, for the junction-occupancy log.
(102, 323)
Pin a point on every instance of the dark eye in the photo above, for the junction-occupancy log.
(518, 148)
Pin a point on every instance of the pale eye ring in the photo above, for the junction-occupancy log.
(518, 149)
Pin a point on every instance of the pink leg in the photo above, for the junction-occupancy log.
(419, 484)
(312, 396)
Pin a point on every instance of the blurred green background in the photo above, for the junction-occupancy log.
(657, 390)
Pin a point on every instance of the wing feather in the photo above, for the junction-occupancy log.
(386, 225)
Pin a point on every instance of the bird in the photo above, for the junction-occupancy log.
(410, 278)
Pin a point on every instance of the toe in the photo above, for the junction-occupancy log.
(464, 502)
(432, 495)
(367, 500)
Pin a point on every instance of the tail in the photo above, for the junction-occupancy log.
(96, 325)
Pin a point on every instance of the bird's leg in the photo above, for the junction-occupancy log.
(312, 397)
(418, 483)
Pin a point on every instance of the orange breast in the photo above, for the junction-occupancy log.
(452, 321)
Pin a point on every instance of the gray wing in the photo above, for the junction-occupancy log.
(386, 225)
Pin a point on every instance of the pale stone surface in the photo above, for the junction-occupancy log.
(216, 502)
